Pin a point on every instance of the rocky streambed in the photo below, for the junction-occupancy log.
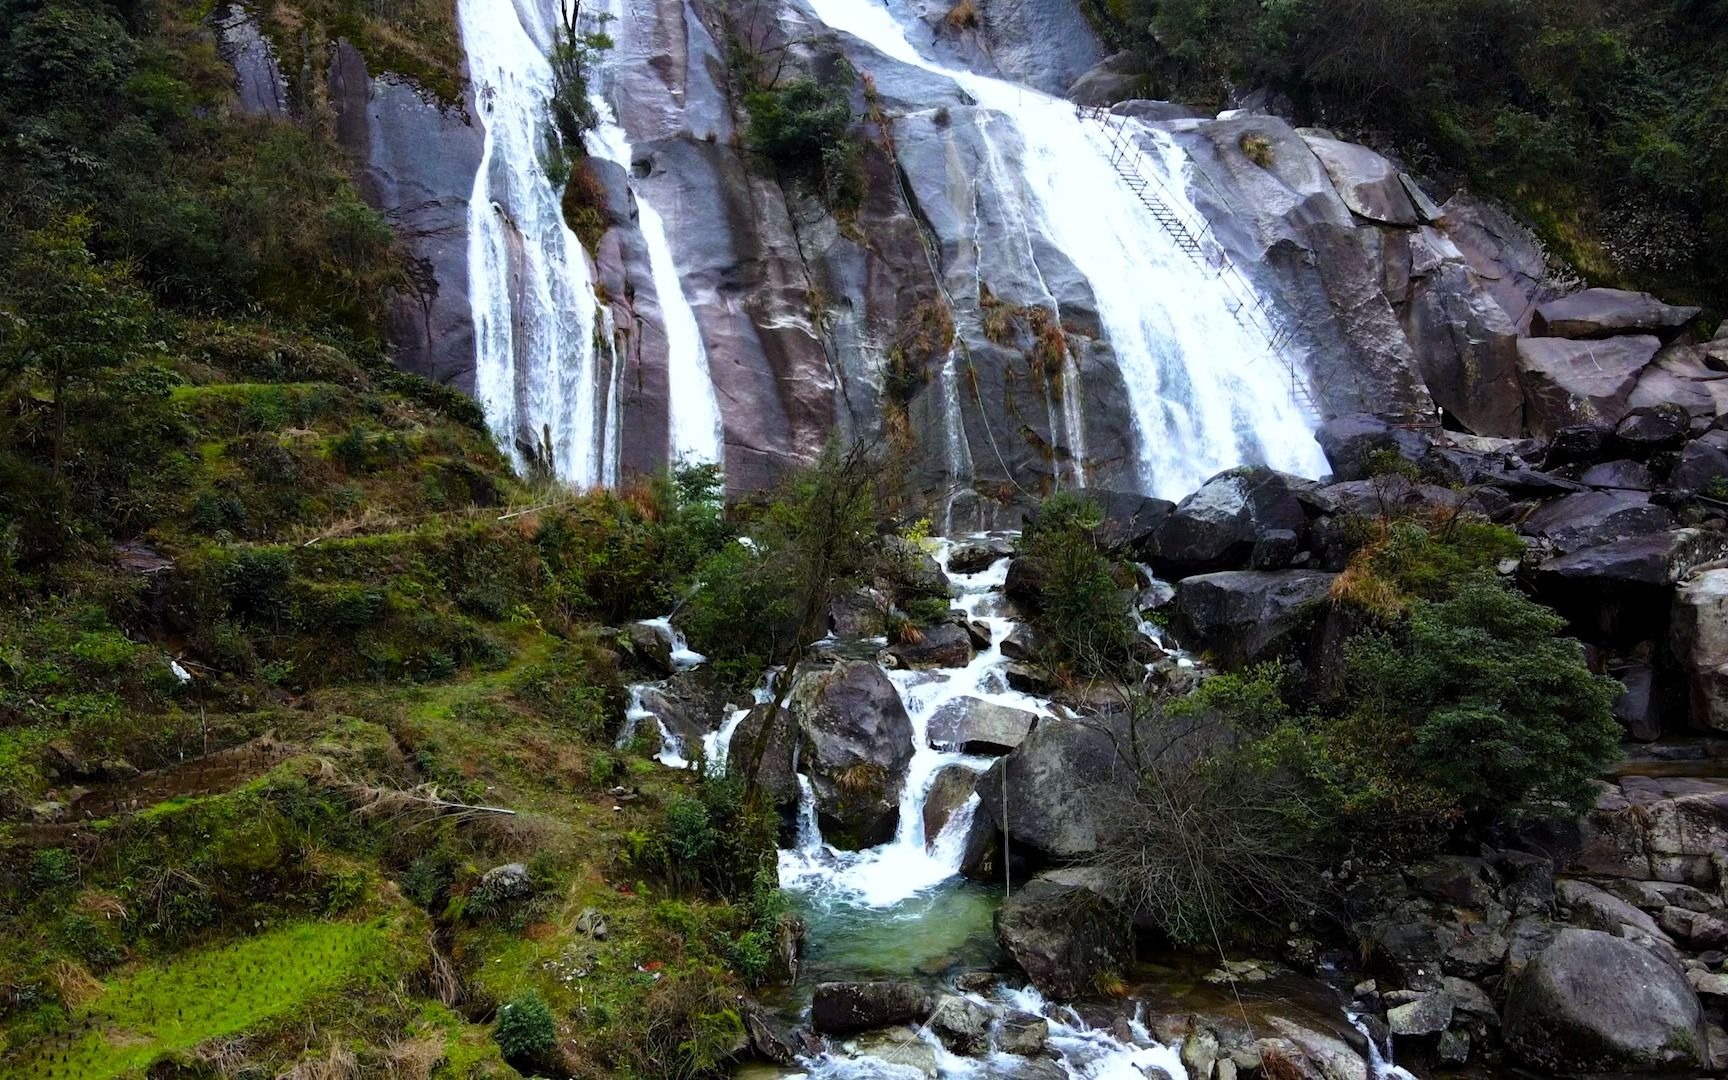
(917, 780)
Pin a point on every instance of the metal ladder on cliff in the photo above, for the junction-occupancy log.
(1197, 242)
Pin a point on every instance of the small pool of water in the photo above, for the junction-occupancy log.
(942, 931)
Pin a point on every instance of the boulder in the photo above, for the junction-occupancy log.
(1593, 518)
(1701, 469)
(945, 645)
(1620, 592)
(1429, 1014)
(1671, 829)
(1699, 640)
(1568, 383)
(1218, 526)
(1596, 909)
(1117, 78)
(974, 558)
(962, 1024)
(1241, 616)
(775, 775)
(949, 789)
(1128, 518)
(976, 726)
(859, 613)
(1508, 259)
(1064, 932)
(1623, 475)
(1022, 1034)
(1691, 377)
(915, 571)
(651, 644)
(1649, 428)
(1594, 1003)
(1024, 584)
(1637, 707)
(1053, 806)
(1021, 643)
(841, 1008)
(910, 1054)
(1347, 442)
(1466, 345)
(1600, 313)
(1576, 444)
(1368, 183)
(856, 740)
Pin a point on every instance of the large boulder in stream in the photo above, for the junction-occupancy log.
(857, 740)
(1065, 932)
(1595, 1003)
(976, 726)
(842, 1008)
(1055, 781)
(1227, 524)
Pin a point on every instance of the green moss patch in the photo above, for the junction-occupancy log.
(141, 1017)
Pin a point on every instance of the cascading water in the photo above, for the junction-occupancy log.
(911, 862)
(1203, 392)
(540, 336)
(694, 432)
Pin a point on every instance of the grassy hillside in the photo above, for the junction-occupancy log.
(289, 660)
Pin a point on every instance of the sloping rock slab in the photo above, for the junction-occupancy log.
(1570, 383)
(1600, 313)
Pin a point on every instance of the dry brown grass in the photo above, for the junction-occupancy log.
(74, 984)
(964, 16)
(413, 1059)
(864, 777)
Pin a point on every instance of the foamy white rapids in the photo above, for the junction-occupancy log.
(540, 336)
(1083, 1052)
(1204, 390)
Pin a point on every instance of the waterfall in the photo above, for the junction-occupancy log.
(1203, 391)
(540, 335)
(694, 432)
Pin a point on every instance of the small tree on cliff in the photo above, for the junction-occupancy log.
(818, 538)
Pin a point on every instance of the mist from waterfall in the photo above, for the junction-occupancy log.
(1204, 390)
(540, 335)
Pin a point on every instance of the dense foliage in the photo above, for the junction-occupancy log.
(1602, 122)
(1082, 615)
(1440, 699)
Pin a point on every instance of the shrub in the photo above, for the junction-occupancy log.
(1082, 614)
(52, 868)
(1477, 700)
(801, 127)
(525, 1033)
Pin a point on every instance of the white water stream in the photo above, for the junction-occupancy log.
(1204, 390)
(540, 335)
(693, 411)
(893, 884)
(542, 339)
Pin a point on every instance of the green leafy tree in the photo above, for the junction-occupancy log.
(69, 318)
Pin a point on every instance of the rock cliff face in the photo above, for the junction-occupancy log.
(1378, 298)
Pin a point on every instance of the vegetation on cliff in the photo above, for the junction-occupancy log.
(1602, 123)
